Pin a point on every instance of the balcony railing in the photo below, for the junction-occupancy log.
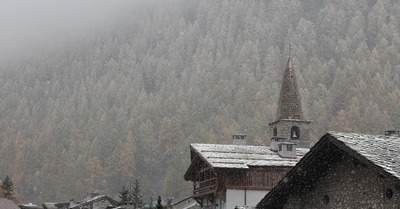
(204, 187)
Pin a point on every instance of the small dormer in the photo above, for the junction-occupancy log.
(287, 150)
(239, 139)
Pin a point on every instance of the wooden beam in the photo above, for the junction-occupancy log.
(203, 194)
(204, 190)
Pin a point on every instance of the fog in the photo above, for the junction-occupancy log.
(27, 26)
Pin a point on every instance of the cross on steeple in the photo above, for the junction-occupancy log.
(289, 63)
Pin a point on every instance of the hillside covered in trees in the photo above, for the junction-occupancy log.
(125, 103)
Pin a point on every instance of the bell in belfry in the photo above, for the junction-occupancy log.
(294, 134)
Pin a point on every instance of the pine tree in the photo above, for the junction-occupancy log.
(159, 205)
(8, 187)
(124, 196)
(136, 195)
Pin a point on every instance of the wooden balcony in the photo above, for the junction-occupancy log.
(205, 187)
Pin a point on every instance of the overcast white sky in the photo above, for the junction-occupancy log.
(29, 23)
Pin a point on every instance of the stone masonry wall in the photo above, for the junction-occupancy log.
(283, 129)
(349, 184)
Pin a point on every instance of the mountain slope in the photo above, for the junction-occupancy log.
(128, 101)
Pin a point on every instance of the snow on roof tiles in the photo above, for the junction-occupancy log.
(383, 151)
(243, 156)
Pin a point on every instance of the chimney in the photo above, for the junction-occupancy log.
(287, 150)
(392, 133)
(239, 139)
(274, 144)
(93, 194)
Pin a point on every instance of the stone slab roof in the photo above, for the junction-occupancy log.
(383, 151)
(289, 103)
(243, 156)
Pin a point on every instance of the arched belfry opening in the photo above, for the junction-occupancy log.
(295, 132)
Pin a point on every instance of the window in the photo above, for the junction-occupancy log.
(280, 147)
(295, 132)
(326, 199)
(289, 147)
(275, 132)
(389, 193)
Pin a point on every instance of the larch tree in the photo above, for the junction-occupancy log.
(150, 145)
(96, 175)
(7, 188)
(127, 158)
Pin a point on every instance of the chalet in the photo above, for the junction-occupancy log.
(92, 201)
(227, 176)
(343, 170)
(95, 201)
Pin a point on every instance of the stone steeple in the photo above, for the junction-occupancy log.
(289, 103)
(289, 125)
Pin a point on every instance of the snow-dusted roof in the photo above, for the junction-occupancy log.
(383, 151)
(49, 205)
(97, 198)
(243, 156)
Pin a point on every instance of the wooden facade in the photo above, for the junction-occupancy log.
(206, 182)
(216, 168)
(210, 183)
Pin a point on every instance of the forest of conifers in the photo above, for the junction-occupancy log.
(98, 112)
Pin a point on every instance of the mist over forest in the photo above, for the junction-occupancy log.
(93, 101)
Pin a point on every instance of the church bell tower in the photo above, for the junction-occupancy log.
(289, 125)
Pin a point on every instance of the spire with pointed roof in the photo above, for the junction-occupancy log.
(289, 125)
(289, 104)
